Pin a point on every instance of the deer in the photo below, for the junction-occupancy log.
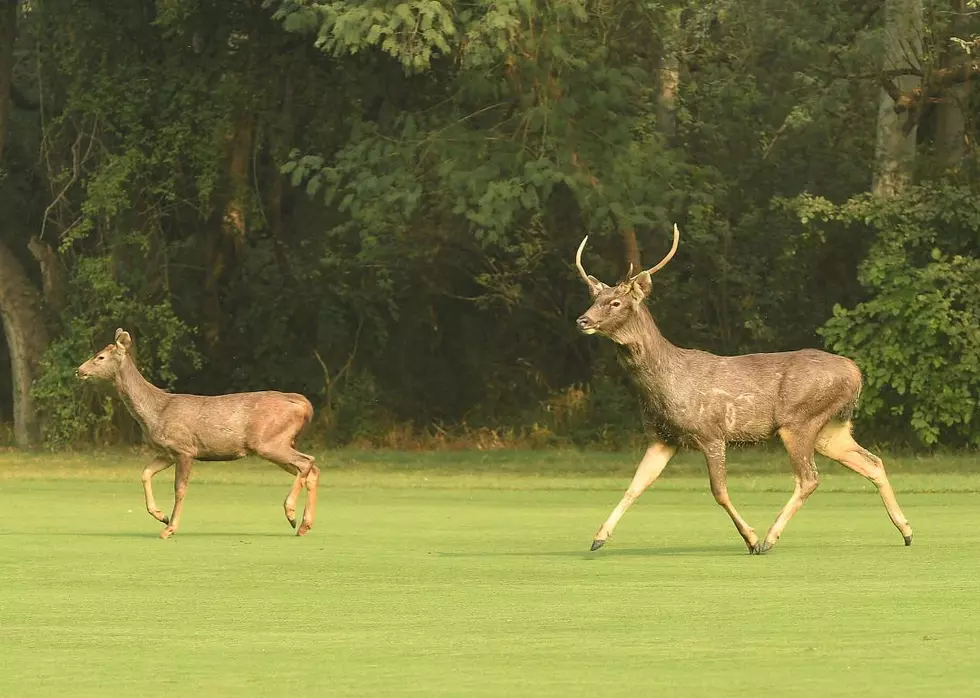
(692, 398)
(184, 428)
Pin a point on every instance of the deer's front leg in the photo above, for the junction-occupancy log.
(158, 465)
(653, 463)
(714, 456)
(180, 489)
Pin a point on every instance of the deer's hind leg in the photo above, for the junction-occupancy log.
(799, 443)
(835, 442)
(306, 473)
(714, 456)
(309, 511)
(159, 464)
(181, 477)
(289, 505)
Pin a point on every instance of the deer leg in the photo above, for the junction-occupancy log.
(180, 489)
(835, 442)
(714, 455)
(303, 466)
(289, 506)
(158, 465)
(312, 478)
(653, 463)
(800, 448)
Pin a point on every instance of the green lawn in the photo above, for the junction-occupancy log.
(467, 574)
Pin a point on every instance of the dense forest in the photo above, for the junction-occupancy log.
(377, 203)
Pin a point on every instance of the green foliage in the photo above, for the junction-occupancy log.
(917, 336)
(518, 126)
(412, 31)
(377, 203)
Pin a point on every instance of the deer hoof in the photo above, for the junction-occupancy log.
(291, 520)
(167, 532)
(760, 548)
(303, 530)
(165, 520)
(908, 540)
(596, 544)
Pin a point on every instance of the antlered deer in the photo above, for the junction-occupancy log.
(184, 428)
(693, 398)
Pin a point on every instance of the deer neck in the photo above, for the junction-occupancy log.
(645, 351)
(144, 400)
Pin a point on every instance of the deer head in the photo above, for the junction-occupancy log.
(107, 362)
(614, 306)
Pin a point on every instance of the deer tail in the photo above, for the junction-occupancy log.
(307, 411)
(846, 412)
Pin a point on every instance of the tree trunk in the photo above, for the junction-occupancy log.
(669, 80)
(226, 238)
(8, 33)
(20, 302)
(631, 249)
(895, 149)
(27, 338)
(239, 169)
(951, 126)
(668, 83)
(950, 115)
(53, 275)
(280, 139)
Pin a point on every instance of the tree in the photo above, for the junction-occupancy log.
(915, 333)
(377, 203)
(895, 149)
(21, 304)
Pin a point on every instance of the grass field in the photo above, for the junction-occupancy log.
(467, 574)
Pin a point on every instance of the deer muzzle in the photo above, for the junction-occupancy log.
(584, 324)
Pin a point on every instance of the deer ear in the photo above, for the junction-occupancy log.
(640, 286)
(123, 340)
(595, 286)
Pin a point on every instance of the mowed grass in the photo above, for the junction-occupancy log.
(469, 574)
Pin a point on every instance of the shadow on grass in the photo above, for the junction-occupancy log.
(676, 551)
(150, 535)
(714, 551)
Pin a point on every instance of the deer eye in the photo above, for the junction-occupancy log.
(615, 304)
(99, 358)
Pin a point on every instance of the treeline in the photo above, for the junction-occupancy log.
(377, 204)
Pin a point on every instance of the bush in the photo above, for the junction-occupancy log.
(917, 336)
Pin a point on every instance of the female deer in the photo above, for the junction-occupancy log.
(184, 428)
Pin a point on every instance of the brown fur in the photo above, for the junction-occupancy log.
(697, 399)
(184, 428)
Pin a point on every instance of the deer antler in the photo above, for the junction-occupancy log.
(594, 284)
(578, 261)
(673, 248)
